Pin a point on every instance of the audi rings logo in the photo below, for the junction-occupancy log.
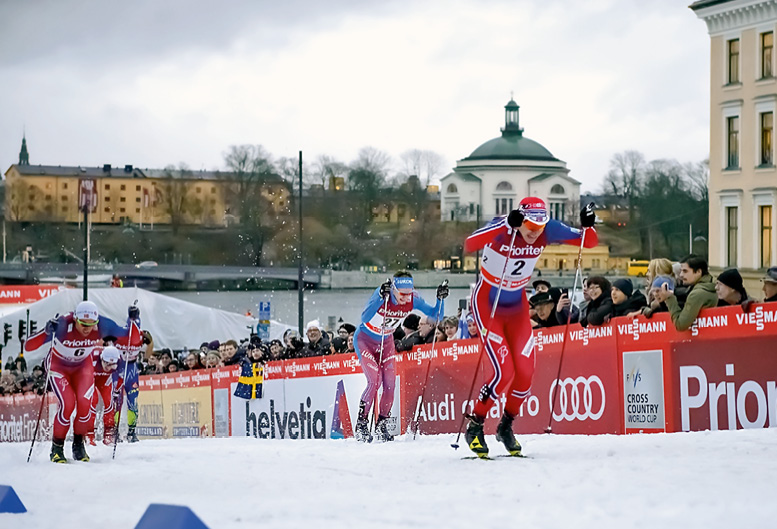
(571, 404)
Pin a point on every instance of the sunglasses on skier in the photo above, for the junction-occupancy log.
(87, 323)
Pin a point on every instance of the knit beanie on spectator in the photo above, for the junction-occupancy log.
(733, 280)
(412, 321)
(624, 285)
(214, 345)
(660, 281)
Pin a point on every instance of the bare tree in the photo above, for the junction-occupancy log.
(175, 191)
(698, 175)
(326, 167)
(627, 170)
(425, 164)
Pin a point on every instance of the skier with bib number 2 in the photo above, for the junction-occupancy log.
(510, 258)
(374, 345)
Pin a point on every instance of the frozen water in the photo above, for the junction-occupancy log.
(690, 480)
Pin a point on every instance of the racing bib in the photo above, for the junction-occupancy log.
(517, 271)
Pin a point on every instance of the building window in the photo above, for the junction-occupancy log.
(504, 186)
(733, 61)
(107, 186)
(557, 189)
(137, 199)
(767, 45)
(452, 189)
(107, 199)
(137, 188)
(64, 185)
(137, 210)
(767, 126)
(107, 210)
(503, 206)
(766, 235)
(199, 189)
(64, 198)
(732, 226)
(557, 210)
(122, 210)
(122, 199)
(732, 126)
(212, 189)
(123, 187)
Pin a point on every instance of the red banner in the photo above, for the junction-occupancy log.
(27, 293)
(18, 416)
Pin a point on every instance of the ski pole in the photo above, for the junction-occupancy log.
(416, 417)
(455, 445)
(380, 360)
(45, 395)
(124, 387)
(578, 273)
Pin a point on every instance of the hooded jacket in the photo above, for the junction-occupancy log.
(700, 296)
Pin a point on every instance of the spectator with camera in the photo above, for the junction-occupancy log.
(701, 292)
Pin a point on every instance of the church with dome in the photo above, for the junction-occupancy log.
(498, 174)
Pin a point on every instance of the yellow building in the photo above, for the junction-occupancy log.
(743, 102)
(45, 193)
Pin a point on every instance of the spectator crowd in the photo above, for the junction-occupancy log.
(680, 289)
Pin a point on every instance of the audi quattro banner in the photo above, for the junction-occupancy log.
(309, 398)
(588, 398)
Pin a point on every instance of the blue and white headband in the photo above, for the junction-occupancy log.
(403, 282)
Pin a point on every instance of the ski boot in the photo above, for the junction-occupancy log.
(90, 438)
(79, 449)
(504, 434)
(476, 440)
(132, 437)
(362, 430)
(58, 451)
(381, 430)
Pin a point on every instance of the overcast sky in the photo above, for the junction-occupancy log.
(159, 82)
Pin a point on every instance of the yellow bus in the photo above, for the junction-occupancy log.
(637, 268)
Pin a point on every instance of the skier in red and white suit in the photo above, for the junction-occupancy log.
(105, 361)
(509, 345)
(74, 337)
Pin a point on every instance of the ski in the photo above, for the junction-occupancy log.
(492, 458)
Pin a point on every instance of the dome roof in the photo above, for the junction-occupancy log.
(511, 147)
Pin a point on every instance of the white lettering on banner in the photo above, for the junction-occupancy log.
(572, 406)
(587, 333)
(638, 328)
(758, 317)
(438, 411)
(325, 364)
(352, 363)
(10, 293)
(295, 368)
(734, 399)
(15, 429)
(542, 339)
(705, 322)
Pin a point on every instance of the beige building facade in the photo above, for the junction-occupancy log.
(743, 104)
(44, 193)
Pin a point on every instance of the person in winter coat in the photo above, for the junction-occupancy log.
(701, 293)
(731, 290)
(624, 299)
(770, 285)
(600, 305)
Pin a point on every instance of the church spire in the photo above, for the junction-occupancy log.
(24, 156)
(512, 126)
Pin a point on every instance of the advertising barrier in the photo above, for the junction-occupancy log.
(628, 376)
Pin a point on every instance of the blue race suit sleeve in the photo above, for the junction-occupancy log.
(108, 327)
(372, 306)
(435, 311)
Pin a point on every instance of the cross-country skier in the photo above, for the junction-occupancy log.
(508, 338)
(141, 340)
(105, 362)
(374, 344)
(74, 337)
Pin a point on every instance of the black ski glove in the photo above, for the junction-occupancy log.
(515, 218)
(133, 312)
(442, 290)
(385, 288)
(587, 216)
(51, 326)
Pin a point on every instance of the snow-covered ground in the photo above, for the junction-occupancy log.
(705, 479)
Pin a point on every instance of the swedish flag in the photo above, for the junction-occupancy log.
(249, 385)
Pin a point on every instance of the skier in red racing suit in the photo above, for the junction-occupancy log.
(508, 338)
